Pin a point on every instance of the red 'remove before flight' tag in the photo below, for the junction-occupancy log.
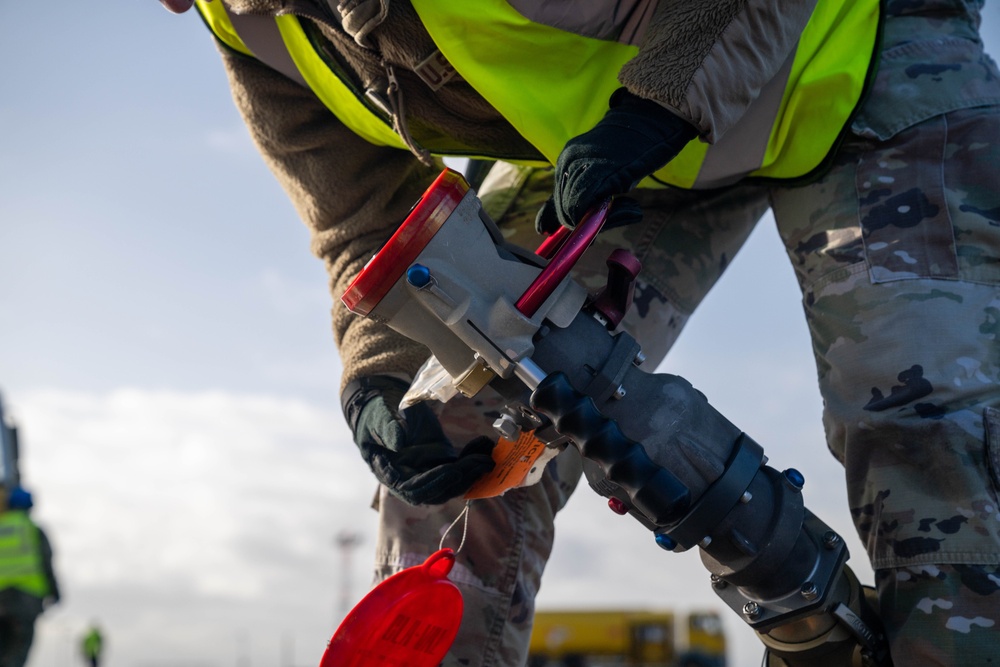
(408, 620)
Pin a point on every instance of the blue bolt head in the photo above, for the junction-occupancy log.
(795, 478)
(418, 275)
(664, 541)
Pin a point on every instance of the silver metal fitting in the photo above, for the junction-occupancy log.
(809, 591)
(507, 427)
(529, 373)
(831, 539)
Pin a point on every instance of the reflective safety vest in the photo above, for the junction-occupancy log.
(20, 555)
(533, 73)
(92, 643)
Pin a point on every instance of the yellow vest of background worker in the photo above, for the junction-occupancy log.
(20, 555)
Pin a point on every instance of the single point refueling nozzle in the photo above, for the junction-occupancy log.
(499, 316)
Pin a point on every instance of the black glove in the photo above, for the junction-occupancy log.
(635, 138)
(408, 451)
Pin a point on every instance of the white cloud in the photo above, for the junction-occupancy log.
(181, 520)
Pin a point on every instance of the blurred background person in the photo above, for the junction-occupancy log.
(92, 644)
(28, 584)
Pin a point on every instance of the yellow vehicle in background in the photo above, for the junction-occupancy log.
(621, 638)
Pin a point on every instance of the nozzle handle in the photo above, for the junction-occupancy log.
(565, 258)
(652, 489)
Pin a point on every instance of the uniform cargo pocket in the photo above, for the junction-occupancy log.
(905, 221)
(923, 79)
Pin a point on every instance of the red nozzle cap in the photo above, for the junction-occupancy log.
(425, 219)
(409, 620)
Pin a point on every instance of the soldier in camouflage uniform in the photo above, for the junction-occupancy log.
(897, 252)
(896, 248)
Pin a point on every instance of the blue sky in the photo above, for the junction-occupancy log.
(165, 349)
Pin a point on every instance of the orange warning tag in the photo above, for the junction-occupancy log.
(514, 459)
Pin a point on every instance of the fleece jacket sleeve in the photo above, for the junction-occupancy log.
(351, 194)
(707, 61)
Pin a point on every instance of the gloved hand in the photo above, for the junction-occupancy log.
(408, 451)
(635, 138)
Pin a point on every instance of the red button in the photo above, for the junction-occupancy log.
(617, 506)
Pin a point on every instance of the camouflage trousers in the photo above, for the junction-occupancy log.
(897, 252)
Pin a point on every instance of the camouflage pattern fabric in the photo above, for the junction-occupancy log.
(941, 614)
(898, 256)
(897, 251)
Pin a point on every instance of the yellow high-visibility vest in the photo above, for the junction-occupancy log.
(20, 555)
(552, 85)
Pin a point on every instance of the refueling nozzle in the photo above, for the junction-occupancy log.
(501, 316)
